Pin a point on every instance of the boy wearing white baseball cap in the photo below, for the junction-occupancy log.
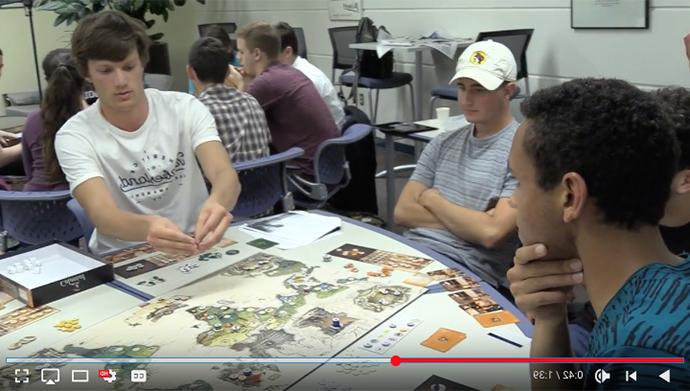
(456, 201)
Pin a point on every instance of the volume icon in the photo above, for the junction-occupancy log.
(601, 376)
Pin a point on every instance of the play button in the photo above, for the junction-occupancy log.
(666, 376)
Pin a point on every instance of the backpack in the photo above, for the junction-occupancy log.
(370, 65)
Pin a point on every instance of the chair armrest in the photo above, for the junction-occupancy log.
(290, 154)
(34, 195)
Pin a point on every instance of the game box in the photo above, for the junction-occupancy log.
(41, 274)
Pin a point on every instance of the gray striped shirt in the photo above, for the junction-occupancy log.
(472, 173)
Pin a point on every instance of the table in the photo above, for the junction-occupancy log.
(12, 124)
(418, 50)
(178, 326)
(454, 122)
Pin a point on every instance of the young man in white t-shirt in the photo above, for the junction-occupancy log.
(131, 158)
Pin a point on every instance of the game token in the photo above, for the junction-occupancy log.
(241, 378)
(392, 325)
(335, 323)
(233, 376)
(247, 372)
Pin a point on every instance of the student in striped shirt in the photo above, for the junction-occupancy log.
(456, 201)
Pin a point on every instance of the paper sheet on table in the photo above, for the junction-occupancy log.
(292, 229)
(446, 46)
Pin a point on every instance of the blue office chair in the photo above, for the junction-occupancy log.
(36, 217)
(83, 219)
(331, 170)
(344, 58)
(264, 183)
(517, 41)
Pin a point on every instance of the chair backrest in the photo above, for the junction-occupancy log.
(516, 40)
(230, 27)
(264, 182)
(158, 81)
(301, 42)
(330, 163)
(84, 221)
(39, 216)
(344, 57)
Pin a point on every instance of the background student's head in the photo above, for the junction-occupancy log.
(63, 97)
(593, 155)
(289, 46)
(258, 46)
(208, 62)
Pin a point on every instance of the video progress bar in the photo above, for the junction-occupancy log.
(200, 360)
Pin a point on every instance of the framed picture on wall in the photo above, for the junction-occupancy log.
(609, 14)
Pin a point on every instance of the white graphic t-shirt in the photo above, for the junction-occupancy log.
(152, 170)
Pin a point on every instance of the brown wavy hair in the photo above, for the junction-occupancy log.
(62, 99)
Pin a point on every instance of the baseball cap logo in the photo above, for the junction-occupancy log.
(478, 58)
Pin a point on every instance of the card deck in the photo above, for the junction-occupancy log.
(444, 274)
(350, 251)
(497, 318)
(458, 283)
(444, 339)
(380, 257)
(262, 243)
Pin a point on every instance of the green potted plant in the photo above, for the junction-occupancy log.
(69, 11)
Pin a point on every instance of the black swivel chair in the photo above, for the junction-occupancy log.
(230, 27)
(344, 58)
(301, 42)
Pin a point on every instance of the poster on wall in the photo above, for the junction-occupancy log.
(344, 9)
(609, 14)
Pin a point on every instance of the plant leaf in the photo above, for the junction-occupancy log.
(156, 36)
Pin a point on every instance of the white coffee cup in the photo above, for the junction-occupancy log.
(442, 114)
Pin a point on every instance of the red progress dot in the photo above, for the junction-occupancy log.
(395, 361)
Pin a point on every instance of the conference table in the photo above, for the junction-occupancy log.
(253, 315)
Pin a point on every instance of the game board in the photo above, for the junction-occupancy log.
(155, 273)
(261, 306)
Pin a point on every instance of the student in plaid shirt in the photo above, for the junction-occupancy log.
(240, 120)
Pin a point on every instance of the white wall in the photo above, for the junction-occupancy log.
(15, 42)
(649, 58)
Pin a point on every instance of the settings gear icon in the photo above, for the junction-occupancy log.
(108, 375)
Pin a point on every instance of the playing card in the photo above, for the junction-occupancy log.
(444, 339)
